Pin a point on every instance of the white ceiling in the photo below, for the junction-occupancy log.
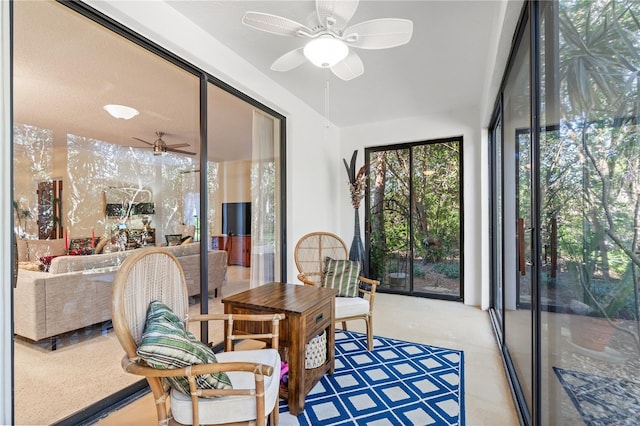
(443, 68)
(66, 68)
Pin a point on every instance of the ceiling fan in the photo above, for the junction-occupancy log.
(329, 38)
(160, 146)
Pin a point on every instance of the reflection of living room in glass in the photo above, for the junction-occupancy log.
(236, 218)
(191, 213)
(126, 209)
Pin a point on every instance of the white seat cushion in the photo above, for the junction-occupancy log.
(350, 306)
(229, 409)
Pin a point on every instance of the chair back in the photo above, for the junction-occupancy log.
(146, 275)
(311, 250)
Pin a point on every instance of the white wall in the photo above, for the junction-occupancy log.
(312, 156)
(416, 129)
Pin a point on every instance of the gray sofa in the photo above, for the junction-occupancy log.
(76, 292)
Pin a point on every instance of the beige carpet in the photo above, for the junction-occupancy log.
(51, 385)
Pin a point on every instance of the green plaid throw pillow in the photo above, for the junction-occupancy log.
(341, 275)
(167, 344)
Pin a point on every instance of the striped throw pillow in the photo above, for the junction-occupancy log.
(341, 275)
(167, 344)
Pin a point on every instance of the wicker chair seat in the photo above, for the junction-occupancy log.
(223, 410)
(351, 306)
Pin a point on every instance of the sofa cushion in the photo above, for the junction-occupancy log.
(184, 249)
(39, 248)
(64, 264)
(23, 250)
(341, 275)
(167, 344)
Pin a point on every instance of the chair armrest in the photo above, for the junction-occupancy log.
(258, 370)
(135, 367)
(372, 283)
(307, 281)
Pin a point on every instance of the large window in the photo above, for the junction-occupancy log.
(90, 186)
(571, 289)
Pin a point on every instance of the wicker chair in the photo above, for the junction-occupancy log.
(154, 274)
(309, 256)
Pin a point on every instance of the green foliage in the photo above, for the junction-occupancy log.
(419, 271)
(376, 260)
(622, 303)
(607, 299)
(449, 270)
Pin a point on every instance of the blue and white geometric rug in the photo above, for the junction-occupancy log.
(398, 383)
(602, 400)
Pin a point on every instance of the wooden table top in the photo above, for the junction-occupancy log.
(288, 298)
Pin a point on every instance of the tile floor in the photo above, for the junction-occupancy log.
(440, 323)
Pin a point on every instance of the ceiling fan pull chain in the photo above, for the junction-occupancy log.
(326, 96)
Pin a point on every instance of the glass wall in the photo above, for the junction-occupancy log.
(113, 195)
(518, 275)
(580, 204)
(93, 184)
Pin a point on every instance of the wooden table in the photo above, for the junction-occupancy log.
(309, 311)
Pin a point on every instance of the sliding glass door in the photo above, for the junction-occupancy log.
(414, 217)
(244, 188)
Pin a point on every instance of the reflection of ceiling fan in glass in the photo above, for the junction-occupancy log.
(329, 41)
(160, 147)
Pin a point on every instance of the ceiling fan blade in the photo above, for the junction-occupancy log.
(179, 151)
(349, 68)
(289, 60)
(143, 141)
(178, 145)
(340, 10)
(379, 33)
(274, 24)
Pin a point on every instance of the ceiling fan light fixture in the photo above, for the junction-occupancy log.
(121, 111)
(159, 149)
(325, 51)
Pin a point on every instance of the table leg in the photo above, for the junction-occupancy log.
(331, 346)
(296, 370)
